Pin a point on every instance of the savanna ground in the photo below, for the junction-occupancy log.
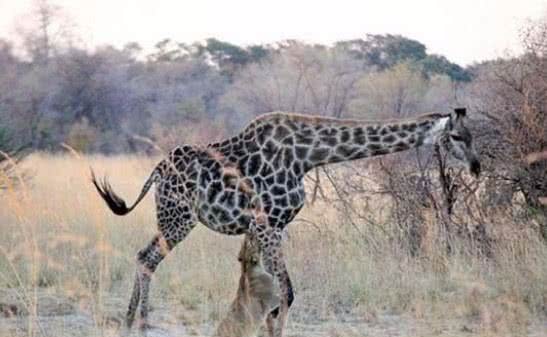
(67, 267)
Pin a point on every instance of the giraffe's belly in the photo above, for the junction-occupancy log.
(228, 210)
(225, 210)
(281, 200)
(282, 204)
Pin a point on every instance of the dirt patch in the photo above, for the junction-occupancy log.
(43, 303)
(59, 317)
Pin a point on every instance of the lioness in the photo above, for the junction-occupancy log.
(256, 296)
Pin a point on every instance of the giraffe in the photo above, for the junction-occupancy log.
(252, 183)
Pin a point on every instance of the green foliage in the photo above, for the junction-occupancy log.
(10, 155)
(165, 53)
(229, 58)
(7, 143)
(4, 139)
(386, 51)
(223, 52)
(258, 52)
(437, 64)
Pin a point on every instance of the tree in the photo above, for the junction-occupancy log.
(298, 78)
(511, 96)
(229, 58)
(401, 91)
(45, 31)
(438, 64)
(168, 51)
(385, 51)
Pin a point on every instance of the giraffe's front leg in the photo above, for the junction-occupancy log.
(287, 298)
(290, 296)
(270, 243)
(284, 285)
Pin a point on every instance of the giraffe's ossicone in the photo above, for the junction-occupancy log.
(252, 183)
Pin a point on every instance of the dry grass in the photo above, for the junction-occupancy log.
(63, 254)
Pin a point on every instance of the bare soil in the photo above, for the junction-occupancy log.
(61, 317)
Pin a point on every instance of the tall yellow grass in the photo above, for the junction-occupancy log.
(58, 240)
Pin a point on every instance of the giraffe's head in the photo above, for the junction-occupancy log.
(456, 143)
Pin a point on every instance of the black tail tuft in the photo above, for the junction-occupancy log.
(114, 202)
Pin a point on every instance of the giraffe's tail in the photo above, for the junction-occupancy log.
(115, 203)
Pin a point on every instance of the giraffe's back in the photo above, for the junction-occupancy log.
(222, 193)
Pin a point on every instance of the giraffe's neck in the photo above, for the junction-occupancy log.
(304, 142)
(338, 143)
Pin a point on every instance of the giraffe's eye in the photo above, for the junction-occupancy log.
(456, 138)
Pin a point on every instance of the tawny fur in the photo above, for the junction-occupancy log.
(256, 295)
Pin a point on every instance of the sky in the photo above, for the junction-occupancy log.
(465, 31)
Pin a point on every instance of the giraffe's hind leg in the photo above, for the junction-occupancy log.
(148, 260)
